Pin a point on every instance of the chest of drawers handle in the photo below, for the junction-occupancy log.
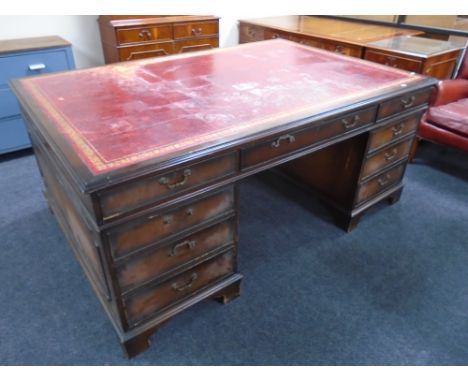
(349, 124)
(196, 31)
(36, 67)
(277, 142)
(391, 155)
(339, 49)
(190, 244)
(165, 180)
(408, 101)
(383, 181)
(145, 34)
(189, 284)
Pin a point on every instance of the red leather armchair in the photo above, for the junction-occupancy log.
(446, 120)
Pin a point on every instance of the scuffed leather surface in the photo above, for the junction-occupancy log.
(126, 113)
(452, 116)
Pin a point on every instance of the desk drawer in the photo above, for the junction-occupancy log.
(8, 105)
(142, 304)
(347, 50)
(145, 51)
(393, 131)
(386, 157)
(13, 135)
(154, 188)
(193, 45)
(147, 34)
(250, 33)
(31, 63)
(405, 63)
(379, 183)
(152, 264)
(298, 140)
(403, 103)
(185, 30)
(147, 231)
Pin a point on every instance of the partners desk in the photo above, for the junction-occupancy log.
(141, 160)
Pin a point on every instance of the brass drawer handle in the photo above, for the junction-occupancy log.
(196, 31)
(277, 142)
(349, 124)
(190, 244)
(165, 181)
(408, 101)
(389, 156)
(251, 32)
(383, 181)
(188, 285)
(398, 129)
(145, 34)
(339, 49)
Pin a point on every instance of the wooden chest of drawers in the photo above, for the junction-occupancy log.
(126, 38)
(21, 58)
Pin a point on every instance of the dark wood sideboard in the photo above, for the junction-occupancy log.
(141, 161)
(126, 38)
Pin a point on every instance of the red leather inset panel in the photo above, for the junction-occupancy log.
(126, 113)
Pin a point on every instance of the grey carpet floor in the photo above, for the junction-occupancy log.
(392, 292)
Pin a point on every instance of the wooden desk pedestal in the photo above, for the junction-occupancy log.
(144, 182)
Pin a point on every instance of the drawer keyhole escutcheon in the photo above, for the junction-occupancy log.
(408, 101)
(166, 182)
(349, 124)
(188, 285)
(391, 155)
(190, 244)
(277, 142)
(383, 181)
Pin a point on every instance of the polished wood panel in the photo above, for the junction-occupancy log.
(386, 157)
(146, 266)
(123, 199)
(140, 305)
(126, 38)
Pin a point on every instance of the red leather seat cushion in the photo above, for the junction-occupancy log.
(453, 116)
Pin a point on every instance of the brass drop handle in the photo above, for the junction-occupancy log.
(196, 31)
(339, 49)
(190, 244)
(349, 124)
(383, 181)
(391, 155)
(398, 129)
(145, 34)
(277, 142)
(165, 180)
(251, 32)
(408, 101)
(188, 285)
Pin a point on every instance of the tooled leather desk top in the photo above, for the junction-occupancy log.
(122, 114)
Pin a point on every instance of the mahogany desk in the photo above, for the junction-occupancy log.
(141, 160)
(339, 36)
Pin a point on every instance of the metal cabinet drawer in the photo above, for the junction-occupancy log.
(32, 63)
(13, 135)
(8, 105)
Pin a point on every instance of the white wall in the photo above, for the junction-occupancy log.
(83, 33)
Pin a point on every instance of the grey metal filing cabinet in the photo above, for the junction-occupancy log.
(21, 58)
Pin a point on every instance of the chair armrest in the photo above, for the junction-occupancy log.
(450, 91)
